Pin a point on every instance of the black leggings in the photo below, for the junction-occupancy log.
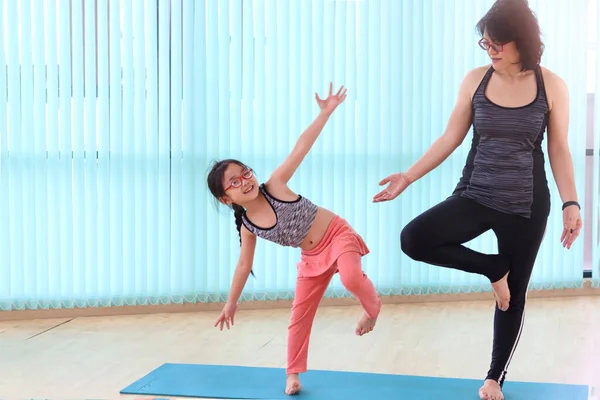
(437, 236)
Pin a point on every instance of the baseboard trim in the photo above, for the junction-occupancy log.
(587, 290)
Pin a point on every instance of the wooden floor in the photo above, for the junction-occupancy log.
(95, 357)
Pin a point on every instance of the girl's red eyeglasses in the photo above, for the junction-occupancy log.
(237, 181)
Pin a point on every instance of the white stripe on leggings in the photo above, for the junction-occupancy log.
(503, 374)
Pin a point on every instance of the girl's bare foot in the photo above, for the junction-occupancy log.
(502, 293)
(491, 391)
(365, 325)
(292, 384)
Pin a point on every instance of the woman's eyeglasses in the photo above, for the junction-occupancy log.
(485, 45)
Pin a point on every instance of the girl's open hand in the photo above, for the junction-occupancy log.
(332, 101)
(226, 316)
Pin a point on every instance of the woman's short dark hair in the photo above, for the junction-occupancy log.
(513, 20)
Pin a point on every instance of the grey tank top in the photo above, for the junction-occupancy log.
(505, 166)
(293, 220)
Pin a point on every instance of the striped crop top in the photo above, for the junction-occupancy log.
(293, 220)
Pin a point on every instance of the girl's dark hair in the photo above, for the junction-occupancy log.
(513, 20)
(215, 185)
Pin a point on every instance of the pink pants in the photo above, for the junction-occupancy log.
(340, 250)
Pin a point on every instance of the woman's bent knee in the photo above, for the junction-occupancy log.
(411, 243)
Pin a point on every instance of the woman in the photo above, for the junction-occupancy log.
(503, 185)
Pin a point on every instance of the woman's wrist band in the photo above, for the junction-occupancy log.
(571, 203)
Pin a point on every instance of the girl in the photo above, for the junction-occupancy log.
(328, 244)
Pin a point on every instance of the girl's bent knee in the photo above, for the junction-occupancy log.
(353, 281)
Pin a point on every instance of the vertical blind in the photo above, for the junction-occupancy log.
(595, 203)
(112, 111)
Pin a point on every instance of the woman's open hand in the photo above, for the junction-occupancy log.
(397, 184)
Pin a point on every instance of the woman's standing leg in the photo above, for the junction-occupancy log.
(520, 240)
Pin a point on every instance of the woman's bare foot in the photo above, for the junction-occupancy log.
(292, 384)
(365, 325)
(491, 390)
(502, 293)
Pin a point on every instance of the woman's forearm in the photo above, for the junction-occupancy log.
(433, 157)
(561, 163)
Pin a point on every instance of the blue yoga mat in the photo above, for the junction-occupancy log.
(232, 382)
